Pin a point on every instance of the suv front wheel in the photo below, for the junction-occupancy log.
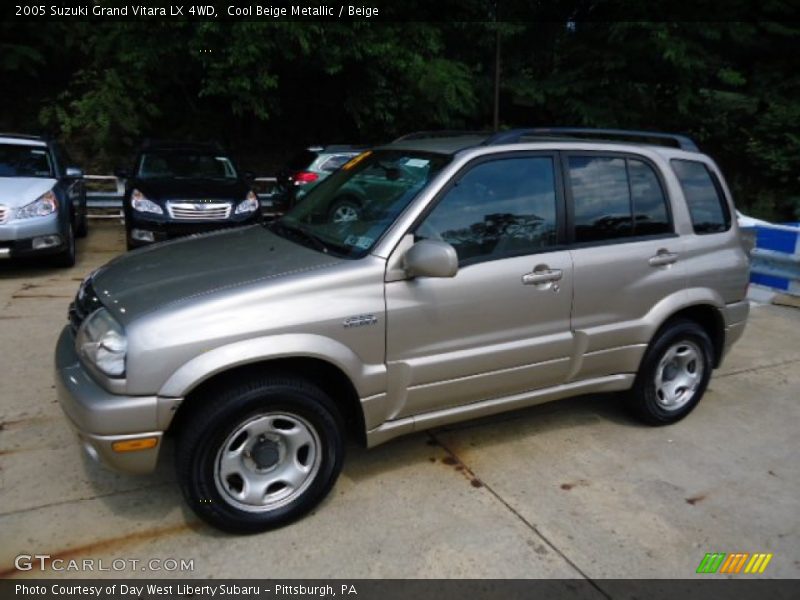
(260, 455)
(674, 373)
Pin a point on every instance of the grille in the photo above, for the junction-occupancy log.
(4, 213)
(85, 303)
(199, 211)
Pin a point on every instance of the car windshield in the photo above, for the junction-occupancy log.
(17, 160)
(184, 165)
(350, 210)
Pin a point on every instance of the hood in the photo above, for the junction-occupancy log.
(144, 280)
(192, 189)
(19, 191)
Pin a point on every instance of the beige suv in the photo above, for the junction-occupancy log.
(478, 274)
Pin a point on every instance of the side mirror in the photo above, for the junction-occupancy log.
(431, 258)
(248, 176)
(121, 173)
(74, 172)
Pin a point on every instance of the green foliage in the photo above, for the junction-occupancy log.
(273, 86)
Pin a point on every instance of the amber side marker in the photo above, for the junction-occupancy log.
(134, 445)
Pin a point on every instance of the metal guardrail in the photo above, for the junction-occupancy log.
(775, 256)
(105, 192)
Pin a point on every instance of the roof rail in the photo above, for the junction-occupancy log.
(513, 136)
(440, 133)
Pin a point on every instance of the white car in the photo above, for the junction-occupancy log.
(42, 200)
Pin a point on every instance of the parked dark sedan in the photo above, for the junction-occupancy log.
(178, 189)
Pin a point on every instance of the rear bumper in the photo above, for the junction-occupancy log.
(101, 418)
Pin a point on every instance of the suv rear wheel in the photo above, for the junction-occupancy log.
(260, 455)
(674, 373)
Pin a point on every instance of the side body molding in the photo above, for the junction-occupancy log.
(368, 379)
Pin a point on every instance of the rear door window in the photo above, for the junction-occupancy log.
(601, 198)
(703, 192)
(650, 212)
(615, 197)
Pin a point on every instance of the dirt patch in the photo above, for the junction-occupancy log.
(451, 460)
(572, 484)
(18, 296)
(695, 499)
(105, 545)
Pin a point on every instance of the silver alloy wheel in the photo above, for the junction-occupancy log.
(678, 375)
(268, 461)
(345, 213)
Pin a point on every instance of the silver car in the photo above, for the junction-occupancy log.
(484, 273)
(42, 200)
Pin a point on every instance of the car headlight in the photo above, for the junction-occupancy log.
(44, 205)
(141, 203)
(101, 341)
(249, 204)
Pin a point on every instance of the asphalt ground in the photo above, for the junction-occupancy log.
(571, 489)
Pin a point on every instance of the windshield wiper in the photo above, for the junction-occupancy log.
(299, 232)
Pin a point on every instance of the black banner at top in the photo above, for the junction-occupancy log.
(394, 11)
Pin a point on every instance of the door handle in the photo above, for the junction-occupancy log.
(663, 258)
(544, 276)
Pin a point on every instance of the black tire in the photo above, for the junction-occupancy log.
(66, 258)
(649, 398)
(344, 204)
(205, 433)
(82, 230)
(129, 244)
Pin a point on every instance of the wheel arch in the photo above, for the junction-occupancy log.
(324, 375)
(709, 317)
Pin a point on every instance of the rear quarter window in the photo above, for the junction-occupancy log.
(703, 192)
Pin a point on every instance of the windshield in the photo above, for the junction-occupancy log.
(184, 165)
(17, 160)
(350, 210)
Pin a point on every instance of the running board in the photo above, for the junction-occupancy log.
(484, 408)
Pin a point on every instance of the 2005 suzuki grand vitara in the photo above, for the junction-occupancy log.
(475, 273)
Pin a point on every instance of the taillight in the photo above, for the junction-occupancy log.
(304, 177)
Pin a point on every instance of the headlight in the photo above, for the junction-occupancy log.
(249, 204)
(44, 205)
(101, 341)
(142, 204)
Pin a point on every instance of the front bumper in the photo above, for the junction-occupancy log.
(16, 237)
(163, 230)
(101, 418)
